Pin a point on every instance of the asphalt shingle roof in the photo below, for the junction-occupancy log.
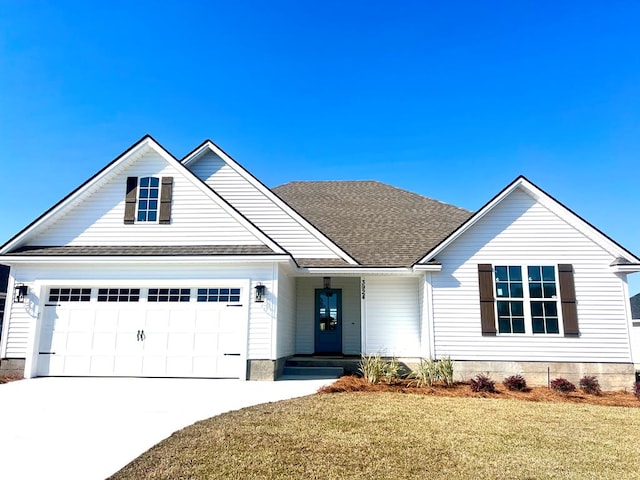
(377, 224)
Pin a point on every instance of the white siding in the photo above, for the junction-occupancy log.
(23, 316)
(98, 219)
(393, 316)
(286, 337)
(258, 208)
(520, 231)
(305, 295)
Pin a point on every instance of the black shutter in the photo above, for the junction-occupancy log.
(166, 193)
(568, 300)
(130, 200)
(487, 300)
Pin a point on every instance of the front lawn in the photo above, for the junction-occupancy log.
(374, 435)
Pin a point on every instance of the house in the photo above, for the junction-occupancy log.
(635, 306)
(193, 268)
(4, 280)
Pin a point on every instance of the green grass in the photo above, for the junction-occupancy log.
(396, 436)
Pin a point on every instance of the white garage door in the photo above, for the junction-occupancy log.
(149, 332)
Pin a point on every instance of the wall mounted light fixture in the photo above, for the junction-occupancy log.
(19, 292)
(260, 293)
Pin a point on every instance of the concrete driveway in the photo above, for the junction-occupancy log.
(89, 428)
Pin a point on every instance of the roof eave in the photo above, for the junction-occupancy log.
(140, 259)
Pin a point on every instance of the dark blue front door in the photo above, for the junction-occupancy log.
(328, 321)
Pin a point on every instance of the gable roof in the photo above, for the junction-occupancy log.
(290, 210)
(378, 224)
(145, 144)
(623, 255)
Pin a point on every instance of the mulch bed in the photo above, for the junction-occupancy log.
(460, 389)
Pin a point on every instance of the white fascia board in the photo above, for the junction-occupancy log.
(627, 268)
(195, 259)
(135, 152)
(547, 201)
(427, 268)
(345, 272)
(269, 194)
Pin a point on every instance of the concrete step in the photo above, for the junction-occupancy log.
(315, 372)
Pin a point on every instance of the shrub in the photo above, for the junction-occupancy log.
(370, 367)
(374, 369)
(589, 384)
(562, 385)
(390, 370)
(636, 389)
(445, 370)
(427, 373)
(515, 383)
(482, 383)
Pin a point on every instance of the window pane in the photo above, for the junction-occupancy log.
(534, 274)
(151, 216)
(518, 325)
(515, 274)
(153, 193)
(517, 309)
(504, 325)
(536, 309)
(142, 216)
(516, 290)
(551, 309)
(502, 290)
(154, 181)
(503, 309)
(548, 274)
(501, 273)
(538, 325)
(552, 325)
(144, 193)
(535, 290)
(144, 182)
(549, 290)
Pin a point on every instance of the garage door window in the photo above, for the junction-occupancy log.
(169, 295)
(70, 295)
(227, 295)
(118, 294)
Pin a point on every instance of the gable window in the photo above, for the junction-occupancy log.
(148, 199)
(537, 302)
(531, 304)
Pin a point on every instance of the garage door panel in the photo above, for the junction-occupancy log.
(102, 365)
(207, 321)
(80, 342)
(104, 342)
(154, 366)
(77, 364)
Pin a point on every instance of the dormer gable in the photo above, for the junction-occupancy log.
(143, 197)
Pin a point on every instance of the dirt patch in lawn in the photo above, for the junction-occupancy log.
(460, 390)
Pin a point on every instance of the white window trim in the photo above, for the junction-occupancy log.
(139, 198)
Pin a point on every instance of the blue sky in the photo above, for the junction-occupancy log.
(452, 100)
